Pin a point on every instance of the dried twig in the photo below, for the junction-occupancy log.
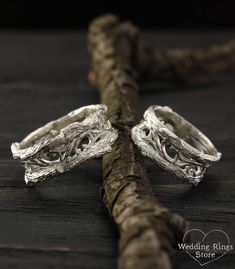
(148, 231)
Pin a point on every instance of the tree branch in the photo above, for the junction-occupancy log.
(186, 65)
(148, 231)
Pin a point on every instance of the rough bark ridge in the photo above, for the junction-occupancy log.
(148, 231)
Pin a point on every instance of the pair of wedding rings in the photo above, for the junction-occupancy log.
(163, 136)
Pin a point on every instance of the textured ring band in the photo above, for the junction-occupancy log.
(174, 144)
(60, 145)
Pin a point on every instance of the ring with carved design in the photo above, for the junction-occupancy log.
(174, 144)
(62, 144)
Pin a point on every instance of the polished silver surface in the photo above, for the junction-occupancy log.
(174, 144)
(60, 145)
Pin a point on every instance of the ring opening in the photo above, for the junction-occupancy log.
(186, 131)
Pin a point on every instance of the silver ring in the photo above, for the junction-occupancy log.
(174, 144)
(62, 144)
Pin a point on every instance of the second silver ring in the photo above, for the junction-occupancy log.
(174, 144)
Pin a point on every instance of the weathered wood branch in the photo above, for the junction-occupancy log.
(148, 231)
(186, 65)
